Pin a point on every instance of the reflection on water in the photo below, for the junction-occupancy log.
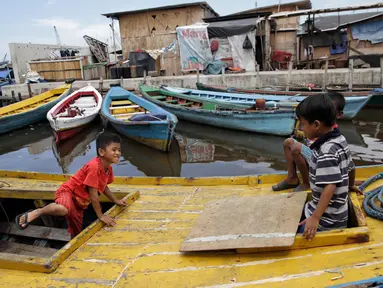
(198, 150)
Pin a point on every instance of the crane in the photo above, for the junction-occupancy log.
(58, 41)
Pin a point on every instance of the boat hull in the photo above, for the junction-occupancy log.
(20, 120)
(353, 103)
(155, 134)
(63, 135)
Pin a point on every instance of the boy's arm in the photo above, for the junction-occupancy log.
(109, 194)
(311, 223)
(106, 219)
(351, 182)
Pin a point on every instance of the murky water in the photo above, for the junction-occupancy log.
(198, 151)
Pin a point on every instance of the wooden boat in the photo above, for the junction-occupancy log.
(276, 122)
(31, 110)
(75, 112)
(139, 119)
(145, 242)
(355, 101)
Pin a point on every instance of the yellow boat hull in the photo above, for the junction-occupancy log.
(143, 249)
(30, 110)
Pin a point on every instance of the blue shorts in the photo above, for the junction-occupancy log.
(306, 152)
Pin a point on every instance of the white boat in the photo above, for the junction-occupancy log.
(75, 112)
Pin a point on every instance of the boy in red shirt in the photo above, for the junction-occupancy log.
(75, 195)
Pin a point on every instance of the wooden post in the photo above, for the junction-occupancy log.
(267, 45)
(29, 90)
(101, 85)
(122, 82)
(13, 96)
(145, 76)
(381, 72)
(258, 80)
(350, 73)
(288, 81)
(324, 87)
(19, 94)
(197, 75)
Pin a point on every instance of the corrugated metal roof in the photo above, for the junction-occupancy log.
(304, 4)
(168, 7)
(333, 22)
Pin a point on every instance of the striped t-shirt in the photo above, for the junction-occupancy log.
(330, 164)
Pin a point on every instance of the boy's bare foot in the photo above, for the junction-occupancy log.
(28, 217)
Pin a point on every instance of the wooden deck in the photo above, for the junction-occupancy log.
(143, 249)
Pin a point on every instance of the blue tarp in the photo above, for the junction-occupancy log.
(4, 73)
(371, 31)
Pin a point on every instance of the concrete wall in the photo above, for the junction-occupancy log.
(21, 53)
(263, 79)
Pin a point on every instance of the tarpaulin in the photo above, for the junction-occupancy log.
(194, 47)
(370, 31)
(224, 29)
(243, 58)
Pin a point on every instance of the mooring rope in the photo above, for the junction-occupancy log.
(373, 197)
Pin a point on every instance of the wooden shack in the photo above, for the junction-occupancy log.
(155, 28)
(284, 36)
(60, 69)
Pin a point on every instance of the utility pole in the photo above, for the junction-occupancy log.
(58, 41)
(114, 40)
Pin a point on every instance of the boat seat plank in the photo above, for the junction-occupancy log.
(171, 101)
(124, 107)
(185, 104)
(121, 102)
(23, 249)
(158, 97)
(259, 222)
(128, 114)
(33, 231)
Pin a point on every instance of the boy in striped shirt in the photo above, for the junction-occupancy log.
(329, 167)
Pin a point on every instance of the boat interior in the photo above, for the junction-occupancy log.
(124, 109)
(83, 104)
(44, 237)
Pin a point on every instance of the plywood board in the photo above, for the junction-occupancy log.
(247, 222)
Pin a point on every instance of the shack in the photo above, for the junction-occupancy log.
(155, 28)
(339, 37)
(283, 36)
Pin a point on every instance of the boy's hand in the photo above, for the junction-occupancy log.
(108, 221)
(120, 203)
(356, 189)
(311, 227)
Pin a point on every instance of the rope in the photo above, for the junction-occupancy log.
(373, 197)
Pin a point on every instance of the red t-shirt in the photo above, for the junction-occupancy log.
(92, 174)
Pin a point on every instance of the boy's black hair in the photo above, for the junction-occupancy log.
(105, 139)
(317, 107)
(339, 100)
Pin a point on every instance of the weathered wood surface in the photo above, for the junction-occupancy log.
(22, 249)
(247, 222)
(33, 231)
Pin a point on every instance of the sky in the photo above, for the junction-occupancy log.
(26, 21)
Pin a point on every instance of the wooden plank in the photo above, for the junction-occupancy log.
(22, 249)
(123, 107)
(33, 231)
(247, 222)
(121, 102)
(128, 114)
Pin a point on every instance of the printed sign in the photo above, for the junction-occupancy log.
(194, 47)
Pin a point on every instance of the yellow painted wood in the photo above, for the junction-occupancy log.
(143, 249)
(120, 102)
(33, 102)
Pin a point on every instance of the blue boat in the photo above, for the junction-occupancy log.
(139, 119)
(279, 122)
(353, 104)
(31, 110)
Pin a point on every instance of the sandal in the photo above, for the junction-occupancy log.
(26, 223)
(284, 186)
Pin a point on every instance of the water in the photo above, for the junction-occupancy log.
(198, 151)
